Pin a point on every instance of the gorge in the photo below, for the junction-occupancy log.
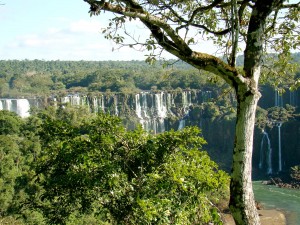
(158, 111)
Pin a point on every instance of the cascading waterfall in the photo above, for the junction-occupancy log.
(72, 100)
(95, 104)
(138, 108)
(141, 110)
(279, 147)
(116, 106)
(23, 108)
(186, 103)
(278, 99)
(152, 109)
(160, 105)
(268, 153)
(98, 104)
(7, 104)
(19, 106)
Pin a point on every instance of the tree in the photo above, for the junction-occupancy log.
(124, 177)
(10, 123)
(234, 25)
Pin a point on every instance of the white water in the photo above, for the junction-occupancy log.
(152, 109)
(19, 106)
(152, 113)
(268, 154)
(160, 105)
(278, 99)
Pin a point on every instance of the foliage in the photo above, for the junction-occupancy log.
(27, 78)
(295, 172)
(10, 157)
(18, 148)
(274, 116)
(125, 177)
(36, 77)
(10, 123)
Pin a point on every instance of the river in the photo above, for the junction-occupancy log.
(286, 200)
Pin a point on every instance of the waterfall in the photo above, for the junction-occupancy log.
(186, 99)
(278, 99)
(150, 108)
(98, 104)
(102, 103)
(65, 100)
(160, 105)
(279, 147)
(95, 104)
(186, 103)
(138, 108)
(268, 153)
(141, 106)
(7, 104)
(141, 110)
(116, 106)
(23, 108)
(19, 106)
(181, 124)
(74, 99)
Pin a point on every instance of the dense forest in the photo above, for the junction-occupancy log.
(35, 77)
(68, 166)
(30, 78)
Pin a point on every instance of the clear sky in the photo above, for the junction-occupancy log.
(56, 30)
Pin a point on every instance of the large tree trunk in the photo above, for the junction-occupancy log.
(242, 203)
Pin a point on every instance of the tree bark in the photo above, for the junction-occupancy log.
(242, 203)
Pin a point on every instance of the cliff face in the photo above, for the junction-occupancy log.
(156, 111)
(161, 111)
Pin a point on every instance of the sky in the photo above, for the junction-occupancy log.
(56, 30)
(63, 30)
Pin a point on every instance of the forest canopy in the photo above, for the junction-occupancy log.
(36, 77)
(90, 170)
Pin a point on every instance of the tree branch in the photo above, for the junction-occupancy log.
(166, 37)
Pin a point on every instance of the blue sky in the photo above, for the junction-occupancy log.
(62, 30)
(56, 30)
